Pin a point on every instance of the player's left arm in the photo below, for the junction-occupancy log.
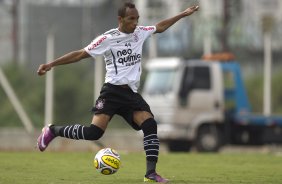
(165, 24)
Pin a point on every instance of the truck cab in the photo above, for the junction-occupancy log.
(187, 100)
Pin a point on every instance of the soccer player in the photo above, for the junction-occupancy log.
(122, 51)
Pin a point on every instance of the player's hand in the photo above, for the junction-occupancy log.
(43, 69)
(191, 10)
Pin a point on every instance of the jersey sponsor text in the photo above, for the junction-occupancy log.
(126, 56)
(94, 45)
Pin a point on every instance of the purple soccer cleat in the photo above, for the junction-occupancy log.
(45, 138)
(154, 177)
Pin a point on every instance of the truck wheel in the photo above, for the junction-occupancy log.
(179, 145)
(208, 139)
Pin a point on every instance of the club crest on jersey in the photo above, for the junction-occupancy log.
(135, 37)
(100, 104)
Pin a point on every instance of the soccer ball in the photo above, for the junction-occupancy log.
(107, 161)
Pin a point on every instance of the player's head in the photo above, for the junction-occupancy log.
(128, 17)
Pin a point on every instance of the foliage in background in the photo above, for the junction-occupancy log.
(74, 96)
(277, 92)
(254, 85)
(29, 90)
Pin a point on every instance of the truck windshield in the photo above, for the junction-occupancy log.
(159, 81)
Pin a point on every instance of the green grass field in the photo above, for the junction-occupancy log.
(77, 168)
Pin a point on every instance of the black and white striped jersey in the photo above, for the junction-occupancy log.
(122, 54)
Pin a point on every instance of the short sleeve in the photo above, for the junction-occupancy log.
(147, 30)
(98, 46)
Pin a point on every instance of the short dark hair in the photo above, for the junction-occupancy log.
(122, 10)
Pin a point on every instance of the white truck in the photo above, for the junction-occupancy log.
(204, 104)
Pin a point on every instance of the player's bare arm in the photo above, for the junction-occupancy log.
(165, 24)
(71, 57)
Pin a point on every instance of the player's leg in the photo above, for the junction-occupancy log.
(77, 131)
(103, 110)
(148, 125)
(151, 142)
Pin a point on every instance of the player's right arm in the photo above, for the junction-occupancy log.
(71, 57)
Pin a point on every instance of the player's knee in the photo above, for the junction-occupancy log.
(149, 126)
(94, 132)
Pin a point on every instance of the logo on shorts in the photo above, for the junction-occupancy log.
(100, 104)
